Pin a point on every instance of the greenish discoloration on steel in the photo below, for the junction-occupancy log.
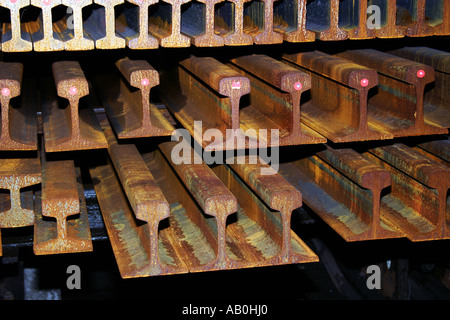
(192, 234)
(397, 92)
(222, 103)
(129, 239)
(352, 190)
(411, 215)
(286, 103)
(164, 256)
(257, 236)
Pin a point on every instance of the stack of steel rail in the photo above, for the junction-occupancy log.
(53, 25)
(166, 214)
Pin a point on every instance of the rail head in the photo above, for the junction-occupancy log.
(415, 164)
(218, 76)
(277, 73)
(139, 73)
(438, 59)
(357, 168)
(274, 190)
(402, 69)
(59, 189)
(70, 80)
(335, 68)
(10, 79)
(207, 189)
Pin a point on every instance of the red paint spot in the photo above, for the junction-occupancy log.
(298, 86)
(236, 85)
(364, 82)
(145, 82)
(13, 1)
(420, 74)
(6, 92)
(47, 2)
(73, 91)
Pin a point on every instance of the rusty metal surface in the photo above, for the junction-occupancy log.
(438, 147)
(74, 127)
(62, 196)
(437, 99)
(417, 203)
(275, 108)
(131, 113)
(203, 89)
(402, 82)
(239, 22)
(344, 189)
(18, 123)
(16, 205)
(290, 20)
(339, 95)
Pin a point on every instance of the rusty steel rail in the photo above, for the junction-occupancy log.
(146, 201)
(417, 203)
(203, 89)
(131, 113)
(437, 147)
(344, 189)
(277, 194)
(275, 94)
(401, 82)
(391, 29)
(324, 20)
(148, 24)
(290, 20)
(211, 195)
(233, 32)
(437, 99)
(75, 127)
(18, 122)
(62, 197)
(258, 22)
(339, 94)
(16, 205)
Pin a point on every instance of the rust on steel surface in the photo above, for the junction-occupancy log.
(75, 127)
(260, 23)
(234, 35)
(11, 31)
(437, 99)
(401, 82)
(78, 40)
(208, 38)
(143, 40)
(260, 234)
(144, 196)
(344, 189)
(275, 108)
(62, 196)
(277, 194)
(298, 32)
(417, 203)
(211, 195)
(391, 29)
(130, 239)
(203, 89)
(358, 29)
(130, 111)
(48, 42)
(101, 25)
(438, 147)
(170, 35)
(18, 125)
(443, 28)
(338, 107)
(333, 32)
(16, 205)
(419, 27)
